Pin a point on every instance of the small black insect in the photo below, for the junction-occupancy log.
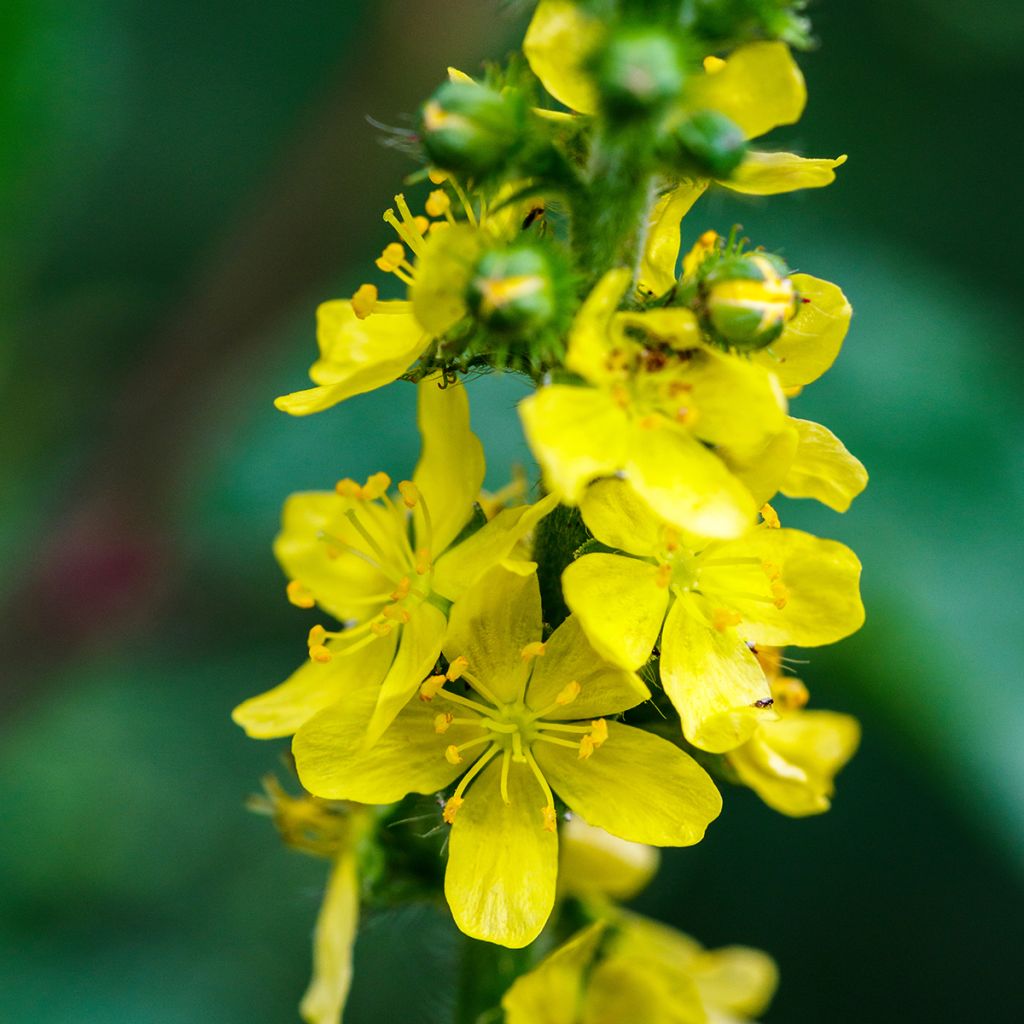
(537, 211)
(764, 703)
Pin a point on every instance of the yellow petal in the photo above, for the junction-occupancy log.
(590, 338)
(502, 862)
(616, 516)
(418, 648)
(491, 624)
(763, 467)
(450, 472)
(461, 566)
(711, 677)
(576, 434)
(735, 980)
(812, 339)
(311, 688)
(338, 580)
(769, 174)
(685, 483)
(759, 87)
(333, 939)
(661, 250)
(822, 468)
(443, 272)
(618, 603)
(550, 993)
(356, 355)
(593, 861)
(677, 328)
(636, 786)
(625, 988)
(605, 689)
(791, 764)
(333, 761)
(821, 580)
(558, 42)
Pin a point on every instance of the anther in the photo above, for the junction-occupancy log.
(317, 635)
(348, 488)
(364, 300)
(409, 492)
(391, 258)
(664, 575)
(770, 517)
(430, 688)
(780, 593)
(437, 177)
(320, 653)
(456, 668)
(451, 807)
(438, 203)
(401, 592)
(442, 722)
(550, 819)
(568, 693)
(381, 628)
(532, 650)
(395, 613)
(598, 732)
(423, 563)
(724, 618)
(299, 595)
(771, 570)
(452, 755)
(712, 65)
(421, 224)
(790, 693)
(376, 486)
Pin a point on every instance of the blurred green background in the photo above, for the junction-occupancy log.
(180, 183)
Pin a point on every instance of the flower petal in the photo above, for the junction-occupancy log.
(618, 604)
(418, 648)
(594, 862)
(333, 939)
(762, 468)
(443, 271)
(735, 980)
(822, 468)
(490, 625)
(502, 862)
(661, 251)
(576, 434)
(711, 677)
(461, 566)
(333, 761)
(636, 786)
(685, 483)
(450, 472)
(616, 516)
(560, 38)
(605, 689)
(769, 174)
(791, 764)
(759, 87)
(356, 355)
(627, 988)
(812, 339)
(820, 579)
(590, 338)
(311, 688)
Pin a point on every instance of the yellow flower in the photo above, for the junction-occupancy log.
(709, 602)
(388, 568)
(630, 969)
(518, 720)
(791, 763)
(655, 399)
(596, 866)
(334, 832)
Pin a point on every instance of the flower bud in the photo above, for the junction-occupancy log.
(515, 289)
(747, 300)
(471, 129)
(707, 145)
(639, 71)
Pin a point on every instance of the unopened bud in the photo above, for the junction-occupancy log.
(513, 290)
(707, 145)
(639, 71)
(747, 300)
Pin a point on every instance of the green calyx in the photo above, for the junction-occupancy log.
(639, 71)
(705, 145)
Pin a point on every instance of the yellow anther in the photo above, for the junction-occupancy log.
(381, 628)
(587, 747)
(452, 755)
(348, 488)
(376, 486)
(709, 239)
(771, 570)
(430, 688)
(687, 415)
(671, 538)
(664, 575)
(423, 563)
(550, 818)
(437, 177)
(320, 653)
(410, 493)
(456, 668)
(439, 225)
(649, 422)
(780, 593)
(620, 396)
(317, 635)
(395, 613)
(421, 224)
(299, 595)
(712, 65)
(770, 517)
(790, 693)
(598, 732)
(451, 807)
(568, 693)
(391, 258)
(532, 650)
(438, 203)
(401, 592)
(364, 300)
(724, 618)
(442, 722)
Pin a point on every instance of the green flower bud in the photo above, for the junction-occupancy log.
(639, 71)
(470, 129)
(707, 144)
(516, 289)
(747, 300)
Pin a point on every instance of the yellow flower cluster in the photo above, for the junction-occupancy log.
(558, 732)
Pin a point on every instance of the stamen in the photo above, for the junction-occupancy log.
(381, 628)
(423, 562)
(401, 592)
(723, 618)
(451, 807)
(780, 593)
(532, 650)
(316, 637)
(594, 739)
(770, 517)
(436, 176)
(406, 228)
(456, 668)
(364, 300)
(771, 570)
(438, 204)
(395, 613)
(320, 653)
(664, 576)
(443, 722)
(391, 258)
(506, 760)
(568, 694)
(350, 515)
(467, 206)
(548, 811)
(299, 595)
(549, 818)
(410, 493)
(559, 742)
(473, 772)
(431, 687)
